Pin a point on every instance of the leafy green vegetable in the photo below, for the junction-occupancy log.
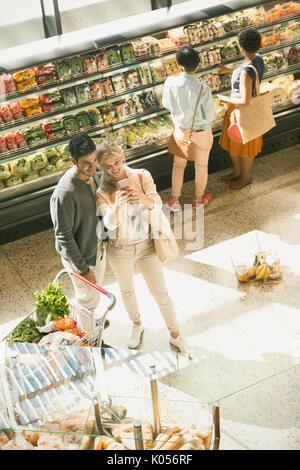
(50, 304)
(25, 332)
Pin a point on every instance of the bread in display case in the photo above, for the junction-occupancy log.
(68, 399)
(114, 92)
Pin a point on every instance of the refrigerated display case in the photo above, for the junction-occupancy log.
(72, 398)
(108, 82)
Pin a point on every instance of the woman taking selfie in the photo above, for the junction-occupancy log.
(125, 198)
(242, 89)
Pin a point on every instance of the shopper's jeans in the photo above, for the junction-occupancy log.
(122, 259)
(87, 296)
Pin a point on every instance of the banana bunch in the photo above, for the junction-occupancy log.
(266, 266)
(262, 272)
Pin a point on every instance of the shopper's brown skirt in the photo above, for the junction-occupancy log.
(251, 149)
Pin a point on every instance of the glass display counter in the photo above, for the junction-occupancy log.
(78, 398)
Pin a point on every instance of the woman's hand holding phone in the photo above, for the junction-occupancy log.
(120, 197)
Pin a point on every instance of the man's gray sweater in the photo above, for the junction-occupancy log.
(73, 214)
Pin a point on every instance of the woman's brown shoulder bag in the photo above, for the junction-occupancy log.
(182, 147)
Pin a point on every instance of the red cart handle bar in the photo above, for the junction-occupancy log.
(95, 286)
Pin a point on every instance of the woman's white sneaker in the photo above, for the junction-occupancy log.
(136, 336)
(182, 346)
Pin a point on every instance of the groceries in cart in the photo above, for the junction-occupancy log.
(50, 322)
(59, 321)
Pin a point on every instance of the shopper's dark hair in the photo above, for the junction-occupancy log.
(250, 40)
(81, 145)
(188, 58)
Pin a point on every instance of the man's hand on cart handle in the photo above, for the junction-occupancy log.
(90, 276)
(92, 284)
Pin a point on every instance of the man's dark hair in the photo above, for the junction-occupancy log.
(250, 40)
(188, 58)
(81, 145)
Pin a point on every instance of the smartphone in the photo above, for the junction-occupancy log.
(123, 184)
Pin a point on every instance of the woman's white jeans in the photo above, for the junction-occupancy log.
(122, 259)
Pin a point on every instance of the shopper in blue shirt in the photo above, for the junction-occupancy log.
(180, 97)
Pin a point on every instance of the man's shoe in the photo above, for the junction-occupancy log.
(182, 346)
(173, 205)
(204, 200)
(136, 336)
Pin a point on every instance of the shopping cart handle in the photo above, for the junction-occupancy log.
(98, 288)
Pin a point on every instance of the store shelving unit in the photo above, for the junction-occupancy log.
(24, 208)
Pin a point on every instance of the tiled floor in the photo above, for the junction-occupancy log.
(246, 337)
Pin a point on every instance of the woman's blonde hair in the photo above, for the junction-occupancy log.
(104, 150)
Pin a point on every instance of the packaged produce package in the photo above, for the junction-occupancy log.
(13, 181)
(20, 167)
(171, 66)
(47, 170)
(83, 121)
(178, 36)
(31, 176)
(52, 154)
(90, 63)
(3, 147)
(16, 111)
(256, 16)
(68, 96)
(7, 84)
(62, 151)
(62, 164)
(139, 48)
(57, 325)
(127, 52)
(145, 74)
(6, 113)
(103, 60)
(35, 135)
(114, 55)
(58, 339)
(107, 87)
(96, 91)
(158, 71)
(37, 161)
(284, 82)
(4, 171)
(294, 91)
(166, 44)
(118, 83)
(118, 137)
(278, 94)
(152, 45)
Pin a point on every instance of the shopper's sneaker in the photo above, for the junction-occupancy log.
(136, 336)
(204, 200)
(182, 346)
(173, 205)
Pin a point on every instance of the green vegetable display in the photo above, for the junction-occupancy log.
(25, 332)
(50, 304)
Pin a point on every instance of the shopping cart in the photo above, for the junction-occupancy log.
(51, 382)
(85, 318)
